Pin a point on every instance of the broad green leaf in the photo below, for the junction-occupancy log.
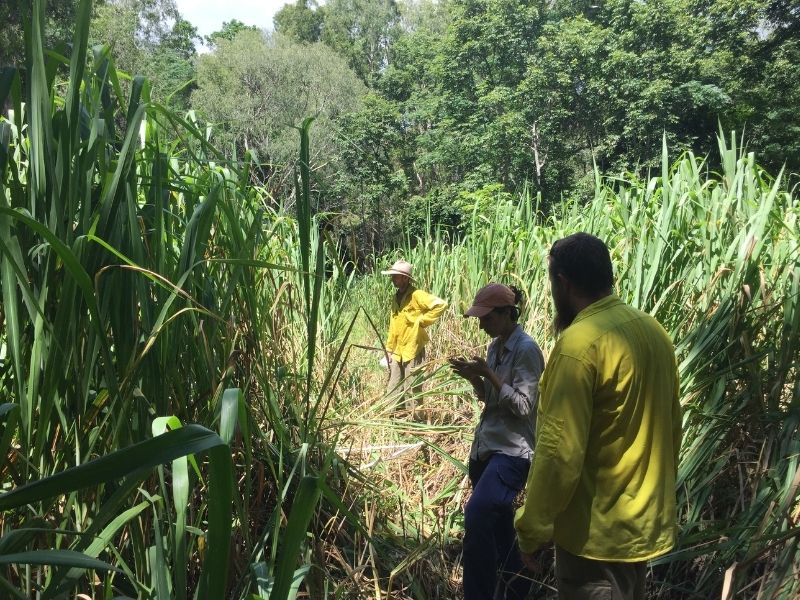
(303, 507)
(64, 558)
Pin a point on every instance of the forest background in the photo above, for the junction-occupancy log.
(191, 402)
(425, 109)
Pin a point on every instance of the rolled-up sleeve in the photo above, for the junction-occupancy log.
(431, 307)
(519, 396)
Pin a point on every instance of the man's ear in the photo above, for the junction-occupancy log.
(562, 282)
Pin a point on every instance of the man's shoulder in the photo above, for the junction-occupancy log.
(576, 339)
(620, 319)
(424, 296)
(582, 335)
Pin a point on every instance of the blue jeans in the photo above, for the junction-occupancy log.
(490, 543)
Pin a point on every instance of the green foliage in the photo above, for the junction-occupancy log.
(254, 90)
(517, 93)
(373, 186)
(229, 31)
(529, 93)
(484, 56)
(150, 38)
(775, 122)
(116, 25)
(364, 32)
(301, 21)
(59, 20)
(422, 217)
(432, 16)
(143, 287)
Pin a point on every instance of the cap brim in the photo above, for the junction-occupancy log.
(393, 272)
(478, 311)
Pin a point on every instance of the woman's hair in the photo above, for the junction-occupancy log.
(513, 311)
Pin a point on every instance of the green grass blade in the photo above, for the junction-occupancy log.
(214, 578)
(61, 558)
(93, 550)
(229, 413)
(303, 507)
(81, 278)
(9, 416)
(150, 453)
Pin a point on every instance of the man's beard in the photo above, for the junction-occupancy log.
(564, 316)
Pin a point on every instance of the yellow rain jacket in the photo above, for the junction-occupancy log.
(602, 481)
(415, 311)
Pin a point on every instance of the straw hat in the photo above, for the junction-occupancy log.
(400, 267)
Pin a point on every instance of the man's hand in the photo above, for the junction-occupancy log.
(532, 562)
(538, 561)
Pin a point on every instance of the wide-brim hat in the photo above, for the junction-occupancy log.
(400, 267)
(494, 295)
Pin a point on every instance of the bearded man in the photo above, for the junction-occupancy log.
(601, 485)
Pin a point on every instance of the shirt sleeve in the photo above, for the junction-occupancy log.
(564, 416)
(431, 307)
(391, 340)
(519, 395)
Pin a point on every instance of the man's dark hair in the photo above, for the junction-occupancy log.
(585, 261)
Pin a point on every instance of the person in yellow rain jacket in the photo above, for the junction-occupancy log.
(601, 485)
(413, 310)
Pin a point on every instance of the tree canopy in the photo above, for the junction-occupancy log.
(256, 89)
(151, 38)
(423, 103)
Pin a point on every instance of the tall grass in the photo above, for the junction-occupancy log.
(714, 256)
(182, 412)
(161, 336)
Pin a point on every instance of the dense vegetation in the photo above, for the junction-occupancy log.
(426, 107)
(189, 404)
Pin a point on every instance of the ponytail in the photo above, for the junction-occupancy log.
(518, 297)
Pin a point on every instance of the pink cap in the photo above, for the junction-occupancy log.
(494, 295)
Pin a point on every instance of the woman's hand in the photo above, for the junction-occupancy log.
(480, 367)
(475, 370)
(471, 370)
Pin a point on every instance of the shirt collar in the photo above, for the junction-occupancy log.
(512, 340)
(399, 299)
(596, 307)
